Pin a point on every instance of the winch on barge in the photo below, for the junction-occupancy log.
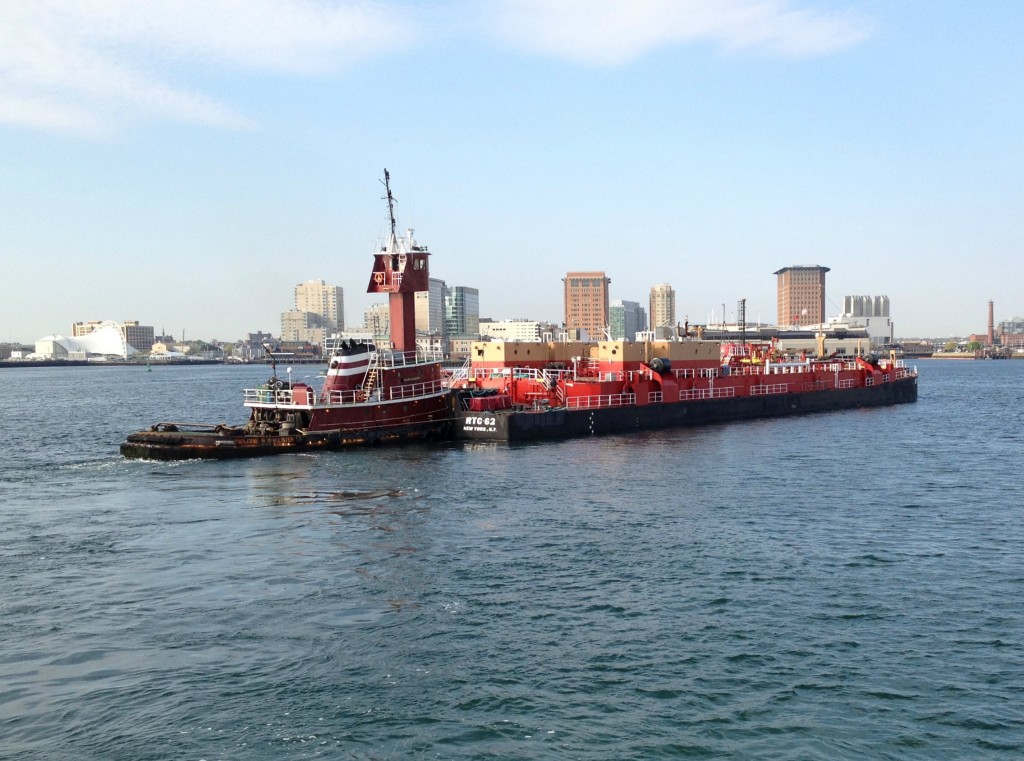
(369, 396)
(528, 391)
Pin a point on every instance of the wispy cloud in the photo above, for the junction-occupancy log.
(83, 65)
(610, 32)
(88, 65)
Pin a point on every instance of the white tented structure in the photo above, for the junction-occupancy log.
(107, 340)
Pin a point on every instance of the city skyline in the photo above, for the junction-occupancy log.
(183, 167)
(856, 307)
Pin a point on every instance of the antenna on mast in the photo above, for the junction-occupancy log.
(391, 201)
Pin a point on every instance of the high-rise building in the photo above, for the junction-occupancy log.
(430, 309)
(377, 320)
(462, 311)
(801, 295)
(626, 319)
(302, 327)
(586, 302)
(663, 306)
(319, 311)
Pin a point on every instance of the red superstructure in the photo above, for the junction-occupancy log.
(400, 269)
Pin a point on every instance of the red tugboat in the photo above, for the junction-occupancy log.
(370, 395)
(512, 391)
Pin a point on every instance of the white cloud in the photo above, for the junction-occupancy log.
(83, 65)
(608, 32)
(88, 65)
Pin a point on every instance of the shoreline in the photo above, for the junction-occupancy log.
(18, 363)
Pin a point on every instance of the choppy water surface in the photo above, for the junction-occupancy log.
(846, 585)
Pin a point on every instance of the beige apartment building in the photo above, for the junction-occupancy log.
(663, 307)
(319, 312)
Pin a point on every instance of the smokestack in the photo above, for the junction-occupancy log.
(991, 325)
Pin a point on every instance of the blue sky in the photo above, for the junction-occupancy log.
(187, 163)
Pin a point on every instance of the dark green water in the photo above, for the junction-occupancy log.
(839, 586)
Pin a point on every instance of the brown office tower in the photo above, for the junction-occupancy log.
(801, 296)
(586, 303)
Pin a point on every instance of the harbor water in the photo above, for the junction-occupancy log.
(845, 585)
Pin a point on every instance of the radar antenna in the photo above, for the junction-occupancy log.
(391, 202)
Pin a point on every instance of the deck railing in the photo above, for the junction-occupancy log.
(280, 397)
(286, 398)
(391, 359)
(342, 397)
(600, 400)
(707, 393)
(769, 388)
(412, 390)
(459, 375)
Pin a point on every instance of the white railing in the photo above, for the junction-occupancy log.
(493, 372)
(526, 373)
(460, 374)
(285, 397)
(587, 368)
(847, 383)
(391, 359)
(412, 390)
(769, 388)
(342, 397)
(282, 397)
(552, 377)
(706, 393)
(560, 393)
(654, 397)
(600, 400)
(752, 370)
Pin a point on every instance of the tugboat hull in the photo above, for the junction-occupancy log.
(370, 395)
(222, 443)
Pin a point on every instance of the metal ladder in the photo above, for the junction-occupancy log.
(370, 381)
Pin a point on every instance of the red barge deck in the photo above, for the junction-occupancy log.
(518, 391)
